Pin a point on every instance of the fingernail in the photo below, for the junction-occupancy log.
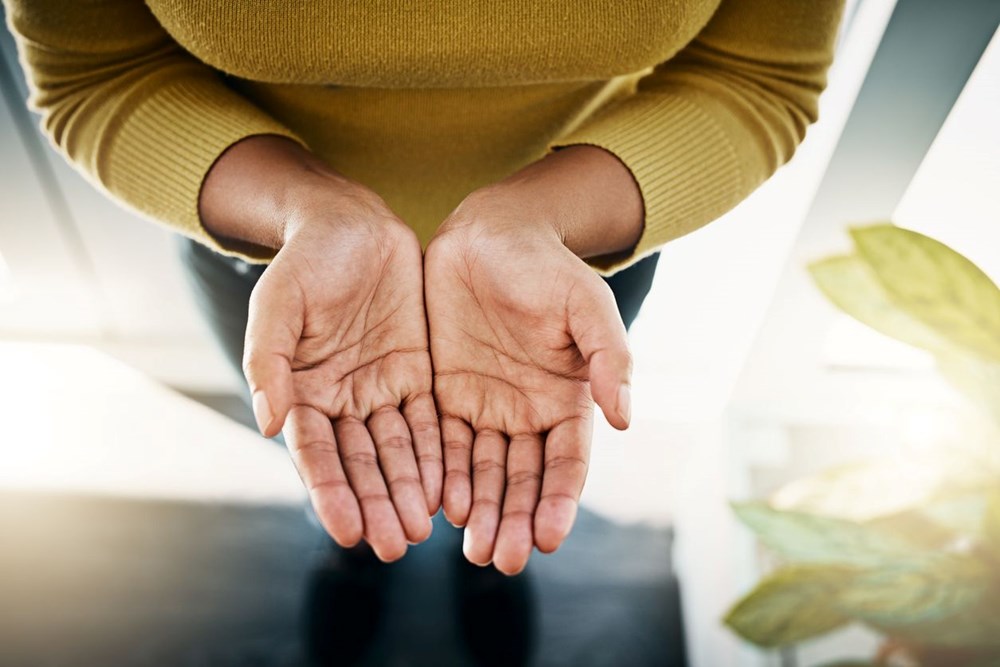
(625, 403)
(467, 549)
(466, 542)
(262, 411)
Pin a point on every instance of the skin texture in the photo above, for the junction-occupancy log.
(524, 335)
(336, 343)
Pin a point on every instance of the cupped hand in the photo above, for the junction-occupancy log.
(337, 354)
(524, 337)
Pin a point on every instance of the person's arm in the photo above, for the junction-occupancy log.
(540, 338)
(336, 353)
(137, 115)
(706, 127)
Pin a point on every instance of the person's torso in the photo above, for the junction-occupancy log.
(432, 44)
(424, 101)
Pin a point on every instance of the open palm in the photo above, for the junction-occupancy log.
(337, 341)
(522, 334)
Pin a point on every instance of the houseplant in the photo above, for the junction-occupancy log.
(918, 561)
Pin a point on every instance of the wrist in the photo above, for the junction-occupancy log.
(319, 202)
(256, 193)
(587, 194)
(505, 207)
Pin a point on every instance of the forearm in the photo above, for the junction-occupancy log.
(258, 186)
(130, 108)
(263, 182)
(588, 195)
(709, 125)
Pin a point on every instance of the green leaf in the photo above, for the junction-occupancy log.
(863, 491)
(978, 626)
(852, 286)
(926, 590)
(790, 605)
(915, 526)
(935, 285)
(818, 539)
(955, 515)
(962, 512)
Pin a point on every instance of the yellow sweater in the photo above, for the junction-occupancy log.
(426, 101)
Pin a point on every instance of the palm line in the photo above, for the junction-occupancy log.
(530, 363)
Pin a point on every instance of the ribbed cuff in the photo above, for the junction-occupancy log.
(685, 166)
(163, 151)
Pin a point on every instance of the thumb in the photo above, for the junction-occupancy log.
(597, 328)
(274, 326)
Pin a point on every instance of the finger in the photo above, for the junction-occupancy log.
(422, 418)
(567, 451)
(357, 451)
(489, 453)
(311, 444)
(399, 468)
(274, 326)
(597, 329)
(524, 481)
(456, 437)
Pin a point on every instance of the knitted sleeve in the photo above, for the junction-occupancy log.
(708, 126)
(131, 110)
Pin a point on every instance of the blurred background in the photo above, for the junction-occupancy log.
(746, 376)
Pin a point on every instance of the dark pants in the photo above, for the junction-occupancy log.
(223, 284)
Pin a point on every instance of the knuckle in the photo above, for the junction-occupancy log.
(523, 477)
(395, 442)
(249, 361)
(424, 428)
(456, 446)
(256, 294)
(560, 495)
(486, 504)
(557, 462)
(462, 475)
(431, 459)
(334, 484)
(362, 459)
(480, 467)
(600, 290)
(627, 358)
(404, 480)
(316, 447)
